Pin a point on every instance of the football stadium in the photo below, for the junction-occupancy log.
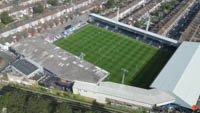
(132, 57)
(114, 63)
(113, 51)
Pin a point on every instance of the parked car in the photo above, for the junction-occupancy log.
(58, 36)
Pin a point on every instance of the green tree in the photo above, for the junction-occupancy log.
(53, 2)
(5, 18)
(172, 3)
(39, 104)
(38, 8)
(90, 112)
(165, 5)
(13, 100)
(63, 108)
(79, 111)
(110, 4)
(1, 25)
(141, 111)
(68, 1)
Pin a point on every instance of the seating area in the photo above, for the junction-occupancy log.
(142, 38)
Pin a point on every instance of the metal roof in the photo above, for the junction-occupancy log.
(60, 62)
(6, 58)
(146, 96)
(180, 77)
(136, 29)
(24, 66)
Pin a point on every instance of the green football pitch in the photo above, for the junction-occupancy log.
(112, 51)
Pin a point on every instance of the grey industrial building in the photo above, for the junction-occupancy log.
(59, 62)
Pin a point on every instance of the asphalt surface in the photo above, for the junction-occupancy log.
(60, 28)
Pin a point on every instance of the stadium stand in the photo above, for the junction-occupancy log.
(180, 76)
(114, 93)
(137, 33)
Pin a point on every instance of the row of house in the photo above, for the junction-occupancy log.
(43, 18)
(148, 8)
(33, 31)
(128, 9)
(19, 12)
(14, 4)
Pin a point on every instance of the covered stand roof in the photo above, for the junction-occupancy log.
(181, 75)
(145, 96)
(141, 31)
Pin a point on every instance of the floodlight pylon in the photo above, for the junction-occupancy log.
(124, 74)
(82, 56)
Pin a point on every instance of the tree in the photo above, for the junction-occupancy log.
(63, 108)
(68, 1)
(79, 111)
(1, 25)
(39, 104)
(110, 4)
(119, 3)
(141, 111)
(38, 8)
(5, 18)
(165, 5)
(90, 112)
(53, 2)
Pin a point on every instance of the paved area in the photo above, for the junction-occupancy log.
(60, 28)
